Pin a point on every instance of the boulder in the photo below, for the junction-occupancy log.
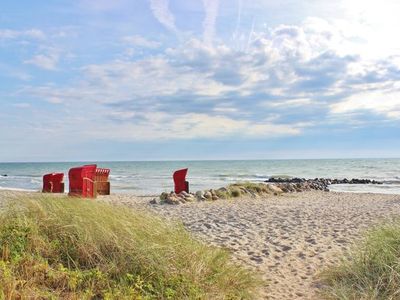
(173, 199)
(199, 194)
(190, 198)
(208, 195)
(164, 196)
(184, 194)
(274, 189)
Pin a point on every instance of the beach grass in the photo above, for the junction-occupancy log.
(372, 269)
(57, 247)
(239, 189)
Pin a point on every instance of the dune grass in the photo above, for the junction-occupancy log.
(372, 270)
(55, 247)
(239, 189)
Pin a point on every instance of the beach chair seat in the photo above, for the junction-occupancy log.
(102, 183)
(82, 181)
(53, 183)
(180, 182)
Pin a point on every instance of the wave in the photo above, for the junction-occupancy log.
(17, 189)
(21, 177)
(242, 176)
(391, 182)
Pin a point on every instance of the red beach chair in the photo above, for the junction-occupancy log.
(180, 181)
(53, 183)
(82, 181)
(102, 183)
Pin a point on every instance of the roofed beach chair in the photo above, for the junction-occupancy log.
(180, 181)
(82, 181)
(102, 183)
(53, 183)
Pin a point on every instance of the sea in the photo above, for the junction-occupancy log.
(144, 178)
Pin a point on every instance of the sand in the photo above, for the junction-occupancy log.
(288, 239)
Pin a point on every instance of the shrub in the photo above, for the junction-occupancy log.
(372, 270)
(79, 249)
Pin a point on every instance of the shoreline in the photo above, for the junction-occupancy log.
(288, 239)
(119, 193)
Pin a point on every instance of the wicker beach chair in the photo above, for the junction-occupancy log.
(181, 184)
(102, 183)
(82, 181)
(53, 183)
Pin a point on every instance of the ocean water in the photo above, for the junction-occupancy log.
(151, 178)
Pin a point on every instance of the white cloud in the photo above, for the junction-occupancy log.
(140, 41)
(102, 5)
(55, 100)
(288, 103)
(376, 101)
(44, 61)
(47, 60)
(211, 9)
(22, 105)
(36, 34)
(156, 126)
(162, 13)
(197, 90)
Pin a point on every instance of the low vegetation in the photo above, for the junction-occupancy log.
(54, 247)
(372, 270)
(245, 188)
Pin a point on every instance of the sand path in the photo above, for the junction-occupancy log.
(289, 238)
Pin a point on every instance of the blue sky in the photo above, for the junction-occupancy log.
(204, 79)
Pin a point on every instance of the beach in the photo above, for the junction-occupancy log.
(288, 239)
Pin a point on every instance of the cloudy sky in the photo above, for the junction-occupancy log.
(199, 79)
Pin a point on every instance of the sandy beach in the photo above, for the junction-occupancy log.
(288, 239)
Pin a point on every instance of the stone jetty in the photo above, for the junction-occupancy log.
(272, 186)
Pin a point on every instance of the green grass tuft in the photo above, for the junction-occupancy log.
(372, 270)
(56, 247)
(256, 188)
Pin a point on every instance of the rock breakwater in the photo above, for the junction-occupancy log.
(302, 184)
(232, 191)
(272, 186)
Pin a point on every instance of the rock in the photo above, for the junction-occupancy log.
(214, 195)
(173, 199)
(208, 195)
(184, 194)
(274, 189)
(302, 184)
(199, 194)
(190, 198)
(164, 196)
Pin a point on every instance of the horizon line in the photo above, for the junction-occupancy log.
(196, 160)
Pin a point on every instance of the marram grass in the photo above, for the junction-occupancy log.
(56, 247)
(372, 270)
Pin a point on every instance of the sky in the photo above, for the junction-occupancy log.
(91, 80)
